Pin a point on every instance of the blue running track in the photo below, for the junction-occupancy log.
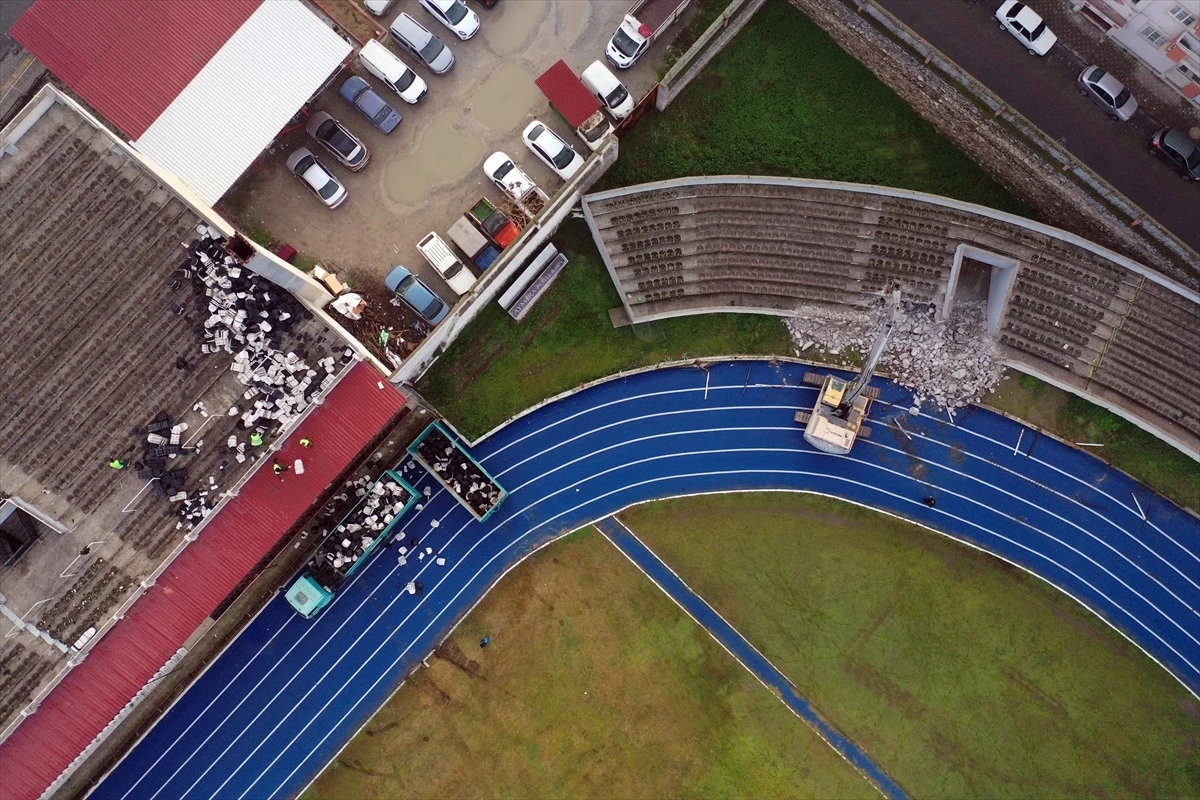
(288, 693)
(746, 654)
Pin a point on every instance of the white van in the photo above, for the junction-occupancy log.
(611, 93)
(439, 256)
(383, 64)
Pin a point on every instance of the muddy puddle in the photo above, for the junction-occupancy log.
(448, 151)
(509, 32)
(505, 99)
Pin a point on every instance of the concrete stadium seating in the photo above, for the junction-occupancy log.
(1079, 315)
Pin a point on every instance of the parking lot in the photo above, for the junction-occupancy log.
(427, 172)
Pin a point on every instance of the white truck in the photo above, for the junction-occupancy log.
(643, 23)
(441, 258)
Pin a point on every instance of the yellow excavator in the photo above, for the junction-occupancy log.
(836, 421)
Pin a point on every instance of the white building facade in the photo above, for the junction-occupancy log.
(1163, 34)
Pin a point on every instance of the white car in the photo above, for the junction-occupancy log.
(455, 15)
(379, 7)
(1023, 22)
(508, 177)
(553, 151)
(312, 173)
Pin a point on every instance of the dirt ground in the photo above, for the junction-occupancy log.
(427, 172)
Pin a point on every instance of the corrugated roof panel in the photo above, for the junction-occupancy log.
(244, 96)
(228, 547)
(129, 59)
(567, 94)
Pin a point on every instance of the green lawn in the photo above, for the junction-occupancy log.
(498, 367)
(784, 99)
(1126, 446)
(594, 685)
(960, 675)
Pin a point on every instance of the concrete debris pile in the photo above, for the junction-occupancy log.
(950, 362)
(353, 537)
(459, 473)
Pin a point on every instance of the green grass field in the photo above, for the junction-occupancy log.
(594, 685)
(960, 675)
(498, 367)
(784, 99)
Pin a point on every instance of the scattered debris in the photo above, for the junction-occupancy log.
(950, 362)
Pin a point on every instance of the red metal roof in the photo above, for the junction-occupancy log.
(567, 94)
(227, 548)
(128, 59)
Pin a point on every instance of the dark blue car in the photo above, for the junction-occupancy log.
(413, 292)
(359, 94)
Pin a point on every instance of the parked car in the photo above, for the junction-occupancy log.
(508, 177)
(379, 7)
(312, 173)
(611, 93)
(422, 45)
(1029, 29)
(1107, 92)
(397, 75)
(455, 15)
(557, 154)
(1179, 150)
(359, 94)
(413, 292)
(334, 137)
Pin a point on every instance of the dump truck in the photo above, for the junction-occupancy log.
(644, 22)
(836, 420)
(477, 247)
(494, 223)
(348, 545)
(575, 103)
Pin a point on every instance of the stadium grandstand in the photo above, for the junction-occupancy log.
(1064, 309)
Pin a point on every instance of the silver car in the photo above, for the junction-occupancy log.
(422, 45)
(1107, 92)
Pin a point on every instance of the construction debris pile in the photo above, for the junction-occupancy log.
(355, 535)
(458, 473)
(950, 362)
(247, 318)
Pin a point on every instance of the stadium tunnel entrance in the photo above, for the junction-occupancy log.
(981, 276)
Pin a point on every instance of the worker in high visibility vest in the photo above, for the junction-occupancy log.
(256, 439)
(117, 463)
(306, 442)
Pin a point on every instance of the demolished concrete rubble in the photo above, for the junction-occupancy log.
(950, 362)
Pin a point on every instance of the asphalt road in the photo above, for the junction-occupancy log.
(1044, 91)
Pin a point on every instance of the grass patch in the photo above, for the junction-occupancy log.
(960, 675)
(498, 367)
(594, 685)
(784, 99)
(1127, 447)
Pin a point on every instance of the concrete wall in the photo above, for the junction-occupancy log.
(711, 42)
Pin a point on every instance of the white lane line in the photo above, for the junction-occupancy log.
(1072, 502)
(674, 391)
(274, 665)
(899, 474)
(1014, 474)
(385, 673)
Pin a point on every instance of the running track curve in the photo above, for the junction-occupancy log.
(286, 695)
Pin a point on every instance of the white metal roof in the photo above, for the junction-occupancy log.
(242, 98)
